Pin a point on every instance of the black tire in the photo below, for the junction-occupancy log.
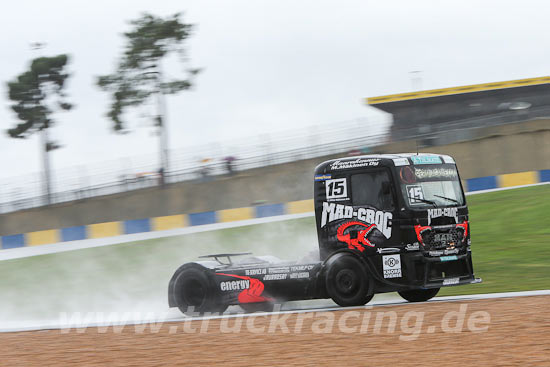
(347, 281)
(419, 295)
(195, 293)
(257, 307)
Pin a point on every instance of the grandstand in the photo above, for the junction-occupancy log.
(443, 116)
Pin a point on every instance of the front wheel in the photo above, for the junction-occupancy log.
(419, 295)
(347, 281)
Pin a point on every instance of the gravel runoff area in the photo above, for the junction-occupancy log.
(494, 332)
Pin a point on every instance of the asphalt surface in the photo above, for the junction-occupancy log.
(173, 315)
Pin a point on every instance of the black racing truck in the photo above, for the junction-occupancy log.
(385, 223)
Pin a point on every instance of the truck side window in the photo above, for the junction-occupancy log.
(372, 189)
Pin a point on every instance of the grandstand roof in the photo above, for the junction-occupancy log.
(458, 90)
(432, 111)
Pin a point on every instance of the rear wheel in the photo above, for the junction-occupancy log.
(195, 293)
(347, 281)
(419, 295)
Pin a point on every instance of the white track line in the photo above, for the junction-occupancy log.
(53, 248)
(28, 326)
(505, 188)
(16, 253)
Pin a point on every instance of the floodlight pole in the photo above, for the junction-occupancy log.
(44, 146)
(163, 131)
(46, 165)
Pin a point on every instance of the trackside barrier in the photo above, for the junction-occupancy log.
(110, 229)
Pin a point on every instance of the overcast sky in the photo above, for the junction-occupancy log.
(268, 65)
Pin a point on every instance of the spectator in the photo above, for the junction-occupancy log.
(229, 161)
(161, 176)
(205, 169)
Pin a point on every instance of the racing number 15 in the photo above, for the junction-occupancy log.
(336, 189)
(415, 192)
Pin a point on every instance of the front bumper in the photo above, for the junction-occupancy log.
(421, 271)
(449, 282)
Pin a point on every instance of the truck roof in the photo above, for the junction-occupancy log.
(380, 160)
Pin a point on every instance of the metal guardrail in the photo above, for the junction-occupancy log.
(124, 174)
(83, 182)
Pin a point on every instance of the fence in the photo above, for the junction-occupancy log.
(203, 162)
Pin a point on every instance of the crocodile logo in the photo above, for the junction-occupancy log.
(360, 239)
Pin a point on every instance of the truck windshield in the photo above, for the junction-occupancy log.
(431, 185)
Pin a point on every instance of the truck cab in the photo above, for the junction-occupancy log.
(404, 215)
(385, 223)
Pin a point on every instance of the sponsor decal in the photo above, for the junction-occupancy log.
(301, 267)
(235, 285)
(252, 288)
(427, 173)
(442, 212)
(336, 189)
(443, 252)
(406, 174)
(255, 271)
(391, 265)
(357, 163)
(426, 159)
(400, 162)
(281, 269)
(361, 239)
(412, 246)
(301, 275)
(386, 250)
(333, 211)
(448, 258)
(443, 237)
(451, 281)
(323, 177)
(275, 277)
